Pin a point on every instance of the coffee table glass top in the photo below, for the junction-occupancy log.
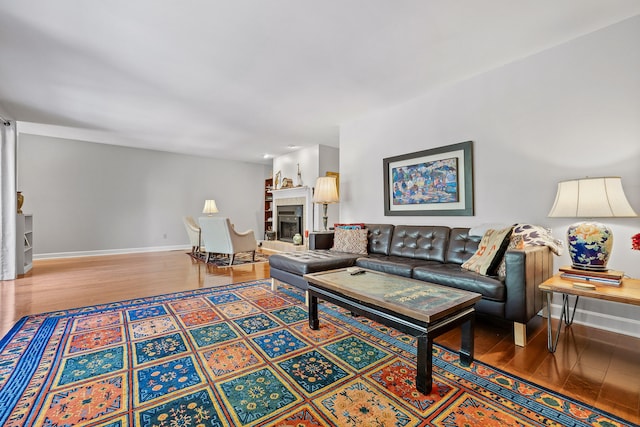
(414, 298)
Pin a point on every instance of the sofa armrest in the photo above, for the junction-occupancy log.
(525, 270)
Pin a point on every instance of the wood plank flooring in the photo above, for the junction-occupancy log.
(597, 367)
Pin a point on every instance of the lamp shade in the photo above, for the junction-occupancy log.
(210, 207)
(326, 190)
(591, 198)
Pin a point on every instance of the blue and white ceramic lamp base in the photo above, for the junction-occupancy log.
(590, 245)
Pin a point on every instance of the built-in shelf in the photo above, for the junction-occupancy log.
(24, 243)
(268, 207)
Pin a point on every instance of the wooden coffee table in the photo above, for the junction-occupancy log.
(418, 308)
(627, 293)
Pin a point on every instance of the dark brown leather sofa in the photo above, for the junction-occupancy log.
(433, 254)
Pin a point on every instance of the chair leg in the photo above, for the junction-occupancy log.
(231, 257)
(253, 256)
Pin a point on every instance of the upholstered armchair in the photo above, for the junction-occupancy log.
(219, 237)
(193, 231)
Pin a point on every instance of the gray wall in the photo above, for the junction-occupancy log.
(90, 198)
(567, 112)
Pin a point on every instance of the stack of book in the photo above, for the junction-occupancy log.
(605, 277)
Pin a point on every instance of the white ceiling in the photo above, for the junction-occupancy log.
(236, 79)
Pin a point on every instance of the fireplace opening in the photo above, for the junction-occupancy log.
(289, 219)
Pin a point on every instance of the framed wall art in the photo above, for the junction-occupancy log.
(438, 181)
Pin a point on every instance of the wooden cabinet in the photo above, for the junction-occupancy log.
(24, 243)
(269, 234)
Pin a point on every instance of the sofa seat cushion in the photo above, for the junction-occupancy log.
(399, 266)
(457, 277)
(302, 263)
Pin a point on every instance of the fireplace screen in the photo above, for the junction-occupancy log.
(289, 222)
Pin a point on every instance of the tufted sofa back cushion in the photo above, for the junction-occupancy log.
(379, 236)
(420, 242)
(461, 245)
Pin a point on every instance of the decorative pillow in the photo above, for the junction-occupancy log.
(515, 242)
(534, 235)
(349, 226)
(490, 251)
(349, 240)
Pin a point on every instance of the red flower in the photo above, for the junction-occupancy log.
(635, 242)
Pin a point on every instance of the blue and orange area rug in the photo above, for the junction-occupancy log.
(242, 355)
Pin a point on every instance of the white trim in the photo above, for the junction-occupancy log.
(290, 193)
(607, 322)
(110, 252)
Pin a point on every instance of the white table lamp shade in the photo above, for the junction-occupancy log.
(210, 207)
(326, 190)
(591, 198)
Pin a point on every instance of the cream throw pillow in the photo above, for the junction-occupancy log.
(348, 240)
(490, 251)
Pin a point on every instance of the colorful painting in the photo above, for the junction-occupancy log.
(438, 181)
(430, 182)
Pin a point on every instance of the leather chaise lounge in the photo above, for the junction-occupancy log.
(434, 254)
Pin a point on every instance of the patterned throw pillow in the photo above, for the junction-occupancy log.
(490, 251)
(349, 240)
(515, 242)
(534, 235)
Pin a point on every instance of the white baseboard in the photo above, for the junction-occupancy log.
(603, 319)
(110, 252)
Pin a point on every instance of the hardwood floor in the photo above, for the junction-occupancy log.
(597, 367)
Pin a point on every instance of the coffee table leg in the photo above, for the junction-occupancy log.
(424, 380)
(466, 346)
(314, 323)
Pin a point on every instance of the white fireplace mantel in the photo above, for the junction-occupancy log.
(291, 193)
(296, 195)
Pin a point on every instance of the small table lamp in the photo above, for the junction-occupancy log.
(590, 242)
(326, 192)
(210, 207)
